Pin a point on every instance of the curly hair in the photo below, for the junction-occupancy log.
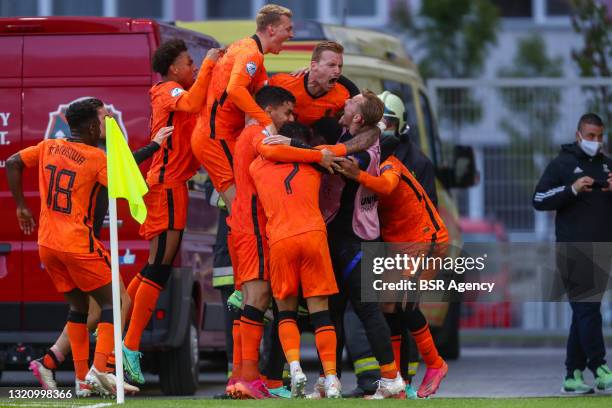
(166, 54)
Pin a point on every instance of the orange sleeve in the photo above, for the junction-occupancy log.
(192, 100)
(102, 175)
(289, 154)
(284, 153)
(237, 88)
(337, 149)
(29, 155)
(383, 184)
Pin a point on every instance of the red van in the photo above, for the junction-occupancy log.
(47, 63)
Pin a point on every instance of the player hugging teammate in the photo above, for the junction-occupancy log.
(300, 164)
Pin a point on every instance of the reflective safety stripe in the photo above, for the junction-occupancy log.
(365, 364)
(223, 276)
(413, 367)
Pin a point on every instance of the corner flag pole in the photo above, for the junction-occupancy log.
(114, 244)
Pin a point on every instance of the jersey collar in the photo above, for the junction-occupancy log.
(258, 41)
(308, 92)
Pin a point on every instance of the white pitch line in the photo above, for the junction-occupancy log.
(100, 405)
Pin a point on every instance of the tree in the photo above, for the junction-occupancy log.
(453, 38)
(591, 19)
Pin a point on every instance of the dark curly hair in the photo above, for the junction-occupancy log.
(80, 113)
(166, 54)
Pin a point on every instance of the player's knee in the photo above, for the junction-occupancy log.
(75, 316)
(159, 274)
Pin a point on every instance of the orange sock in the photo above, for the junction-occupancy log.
(251, 332)
(325, 339)
(132, 289)
(237, 354)
(427, 347)
(79, 343)
(144, 305)
(104, 345)
(273, 383)
(388, 371)
(110, 362)
(289, 338)
(396, 343)
(52, 358)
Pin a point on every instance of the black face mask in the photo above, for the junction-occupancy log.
(388, 144)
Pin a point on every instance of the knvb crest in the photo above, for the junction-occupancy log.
(58, 128)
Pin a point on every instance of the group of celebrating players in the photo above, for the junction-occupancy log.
(307, 177)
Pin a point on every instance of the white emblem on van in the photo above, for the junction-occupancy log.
(251, 68)
(58, 128)
(176, 92)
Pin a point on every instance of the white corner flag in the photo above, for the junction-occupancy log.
(125, 181)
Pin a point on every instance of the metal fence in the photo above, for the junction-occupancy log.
(516, 126)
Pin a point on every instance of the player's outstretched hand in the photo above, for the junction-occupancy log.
(26, 220)
(162, 134)
(348, 167)
(277, 140)
(214, 54)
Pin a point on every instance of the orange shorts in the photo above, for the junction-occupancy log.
(88, 271)
(302, 261)
(250, 257)
(216, 155)
(166, 209)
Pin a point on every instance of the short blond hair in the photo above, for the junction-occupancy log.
(372, 108)
(326, 46)
(271, 14)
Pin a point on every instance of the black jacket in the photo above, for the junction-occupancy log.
(586, 217)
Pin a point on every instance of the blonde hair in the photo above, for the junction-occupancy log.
(271, 14)
(372, 108)
(326, 46)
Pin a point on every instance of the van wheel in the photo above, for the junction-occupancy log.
(180, 367)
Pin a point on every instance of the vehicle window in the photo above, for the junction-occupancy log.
(431, 131)
(197, 44)
(404, 91)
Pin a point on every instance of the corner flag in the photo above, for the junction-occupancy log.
(124, 177)
(124, 181)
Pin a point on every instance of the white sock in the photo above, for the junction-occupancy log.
(294, 366)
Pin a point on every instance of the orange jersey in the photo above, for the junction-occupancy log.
(289, 193)
(70, 175)
(247, 212)
(308, 109)
(406, 212)
(174, 163)
(238, 75)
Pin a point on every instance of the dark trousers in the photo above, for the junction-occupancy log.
(584, 271)
(585, 344)
(345, 253)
